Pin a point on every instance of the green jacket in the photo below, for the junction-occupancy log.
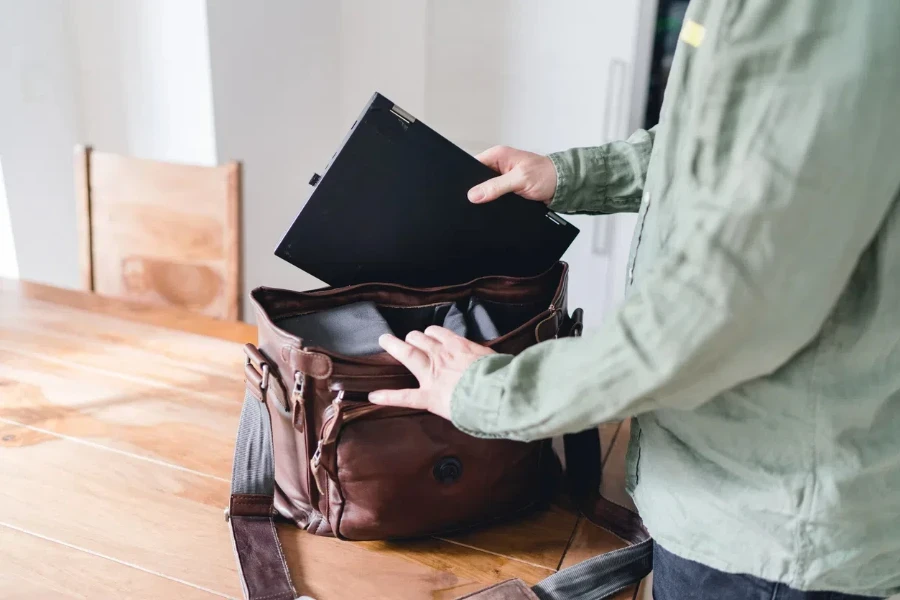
(759, 342)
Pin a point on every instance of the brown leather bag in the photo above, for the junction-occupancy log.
(312, 449)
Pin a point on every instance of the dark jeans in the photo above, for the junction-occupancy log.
(676, 578)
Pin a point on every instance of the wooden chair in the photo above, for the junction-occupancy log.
(160, 233)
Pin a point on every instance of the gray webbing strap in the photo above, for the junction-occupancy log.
(253, 470)
(263, 570)
(599, 577)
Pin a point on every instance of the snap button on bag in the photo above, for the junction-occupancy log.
(448, 469)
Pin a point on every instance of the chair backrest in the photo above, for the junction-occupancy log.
(160, 233)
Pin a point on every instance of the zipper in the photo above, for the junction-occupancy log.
(338, 415)
(330, 424)
(298, 401)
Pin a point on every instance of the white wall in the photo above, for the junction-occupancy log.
(383, 47)
(276, 90)
(146, 89)
(129, 76)
(39, 124)
(9, 267)
(544, 77)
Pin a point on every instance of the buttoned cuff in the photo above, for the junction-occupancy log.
(565, 173)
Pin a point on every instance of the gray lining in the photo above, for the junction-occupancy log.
(354, 329)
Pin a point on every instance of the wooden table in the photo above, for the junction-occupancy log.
(116, 432)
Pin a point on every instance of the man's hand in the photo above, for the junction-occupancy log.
(438, 359)
(527, 174)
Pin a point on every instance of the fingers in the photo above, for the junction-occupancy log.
(403, 398)
(496, 187)
(422, 342)
(492, 157)
(409, 356)
(443, 335)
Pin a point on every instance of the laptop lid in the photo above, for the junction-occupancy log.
(392, 207)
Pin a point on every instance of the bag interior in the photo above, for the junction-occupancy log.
(353, 329)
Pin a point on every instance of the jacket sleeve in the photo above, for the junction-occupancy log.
(605, 179)
(780, 200)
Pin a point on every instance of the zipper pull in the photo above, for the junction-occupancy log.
(318, 474)
(317, 456)
(297, 399)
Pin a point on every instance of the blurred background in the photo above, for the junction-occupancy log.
(275, 85)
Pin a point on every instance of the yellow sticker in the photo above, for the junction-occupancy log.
(692, 33)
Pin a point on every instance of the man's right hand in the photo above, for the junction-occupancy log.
(527, 174)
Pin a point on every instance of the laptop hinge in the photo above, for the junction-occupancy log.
(402, 114)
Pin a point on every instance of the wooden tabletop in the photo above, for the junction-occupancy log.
(117, 425)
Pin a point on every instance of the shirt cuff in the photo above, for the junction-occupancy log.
(565, 172)
(476, 400)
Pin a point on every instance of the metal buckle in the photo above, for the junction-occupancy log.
(264, 373)
(255, 359)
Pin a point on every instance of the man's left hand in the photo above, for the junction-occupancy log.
(438, 358)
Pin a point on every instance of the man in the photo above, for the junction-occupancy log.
(758, 346)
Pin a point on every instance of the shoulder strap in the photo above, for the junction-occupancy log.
(251, 512)
(264, 572)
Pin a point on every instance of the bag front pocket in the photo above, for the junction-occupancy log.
(394, 473)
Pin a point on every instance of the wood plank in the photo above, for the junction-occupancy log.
(169, 317)
(122, 362)
(471, 569)
(89, 498)
(33, 567)
(113, 334)
(589, 541)
(162, 519)
(541, 538)
(183, 426)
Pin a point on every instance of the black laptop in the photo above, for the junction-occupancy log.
(392, 207)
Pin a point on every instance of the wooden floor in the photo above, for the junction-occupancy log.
(116, 433)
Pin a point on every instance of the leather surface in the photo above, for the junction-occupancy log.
(398, 450)
(264, 573)
(250, 505)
